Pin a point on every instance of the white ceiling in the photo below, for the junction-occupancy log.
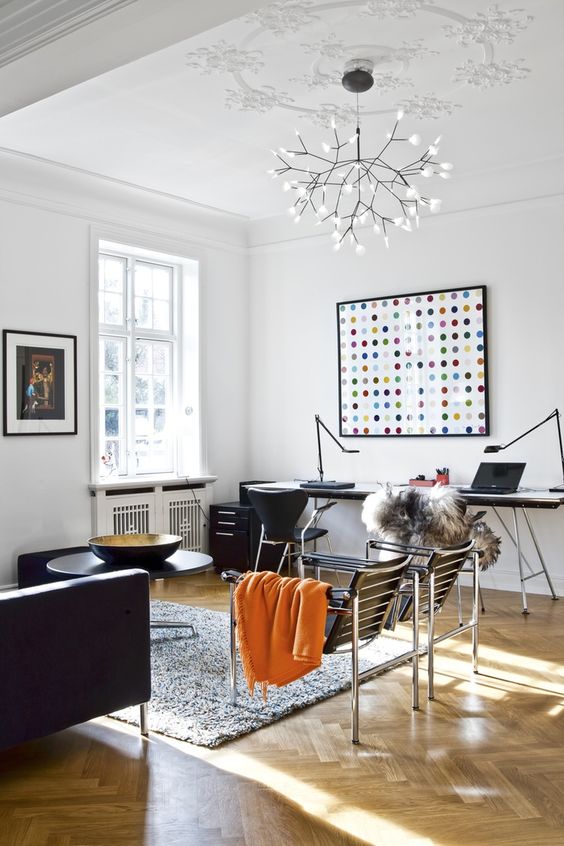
(197, 119)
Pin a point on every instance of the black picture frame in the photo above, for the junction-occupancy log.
(39, 383)
(448, 396)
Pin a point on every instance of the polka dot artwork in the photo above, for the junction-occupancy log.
(427, 352)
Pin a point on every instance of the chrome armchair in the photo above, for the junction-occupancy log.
(356, 616)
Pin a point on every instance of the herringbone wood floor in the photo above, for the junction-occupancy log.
(482, 764)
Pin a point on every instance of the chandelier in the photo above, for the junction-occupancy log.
(356, 192)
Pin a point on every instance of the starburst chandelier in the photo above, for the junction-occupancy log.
(356, 192)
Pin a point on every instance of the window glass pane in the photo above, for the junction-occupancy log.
(112, 273)
(159, 420)
(161, 315)
(112, 309)
(141, 422)
(142, 358)
(160, 359)
(111, 422)
(143, 313)
(112, 352)
(143, 280)
(112, 390)
(110, 458)
(141, 390)
(159, 391)
(161, 283)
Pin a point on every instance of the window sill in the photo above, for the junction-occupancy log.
(151, 481)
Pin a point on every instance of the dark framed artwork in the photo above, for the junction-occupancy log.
(39, 383)
(414, 364)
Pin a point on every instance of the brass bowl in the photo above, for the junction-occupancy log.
(134, 550)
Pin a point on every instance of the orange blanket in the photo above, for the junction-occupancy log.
(280, 627)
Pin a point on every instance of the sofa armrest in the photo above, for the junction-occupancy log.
(72, 651)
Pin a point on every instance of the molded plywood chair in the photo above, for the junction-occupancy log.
(356, 616)
(279, 512)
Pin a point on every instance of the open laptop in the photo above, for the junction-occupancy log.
(496, 477)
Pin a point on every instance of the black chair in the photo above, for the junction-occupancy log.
(438, 570)
(356, 616)
(279, 512)
(73, 651)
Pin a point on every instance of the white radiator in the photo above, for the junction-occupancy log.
(171, 509)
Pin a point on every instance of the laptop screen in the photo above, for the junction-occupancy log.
(498, 474)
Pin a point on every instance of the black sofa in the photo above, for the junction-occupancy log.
(73, 651)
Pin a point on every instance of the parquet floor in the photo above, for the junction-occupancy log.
(483, 764)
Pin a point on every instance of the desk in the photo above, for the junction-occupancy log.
(517, 502)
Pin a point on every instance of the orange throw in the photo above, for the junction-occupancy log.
(280, 627)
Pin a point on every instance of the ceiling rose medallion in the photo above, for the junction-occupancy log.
(352, 191)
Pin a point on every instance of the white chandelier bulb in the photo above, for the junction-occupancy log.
(388, 135)
(353, 138)
(360, 250)
(286, 186)
(322, 210)
(376, 229)
(356, 165)
(297, 218)
(387, 241)
(433, 149)
(372, 187)
(444, 174)
(290, 154)
(271, 171)
(292, 211)
(435, 205)
(437, 139)
(411, 193)
(301, 191)
(417, 221)
(335, 236)
(447, 165)
(297, 131)
(325, 147)
(407, 225)
(348, 188)
(333, 124)
(351, 239)
(415, 140)
(399, 114)
(362, 217)
(398, 221)
(427, 171)
(412, 211)
(337, 246)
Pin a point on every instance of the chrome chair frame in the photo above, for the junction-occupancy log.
(346, 564)
(429, 563)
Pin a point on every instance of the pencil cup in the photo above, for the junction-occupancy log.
(442, 479)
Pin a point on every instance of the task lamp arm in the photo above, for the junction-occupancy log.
(319, 422)
(556, 414)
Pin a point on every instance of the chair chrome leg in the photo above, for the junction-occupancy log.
(355, 685)
(232, 648)
(475, 613)
(144, 719)
(259, 548)
(459, 602)
(415, 659)
(281, 564)
(431, 638)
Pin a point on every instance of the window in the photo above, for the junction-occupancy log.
(141, 385)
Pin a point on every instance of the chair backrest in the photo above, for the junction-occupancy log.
(278, 511)
(446, 564)
(377, 584)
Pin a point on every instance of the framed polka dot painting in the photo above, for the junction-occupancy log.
(414, 364)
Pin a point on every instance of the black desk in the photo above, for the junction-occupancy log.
(521, 501)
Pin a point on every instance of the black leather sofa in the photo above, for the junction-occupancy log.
(72, 651)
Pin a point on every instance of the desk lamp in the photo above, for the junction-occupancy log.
(320, 483)
(555, 413)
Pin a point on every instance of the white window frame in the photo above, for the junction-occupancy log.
(188, 448)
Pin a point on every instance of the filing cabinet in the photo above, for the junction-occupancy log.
(234, 538)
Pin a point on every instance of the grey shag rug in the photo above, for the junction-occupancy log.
(190, 696)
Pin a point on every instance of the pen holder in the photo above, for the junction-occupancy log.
(442, 479)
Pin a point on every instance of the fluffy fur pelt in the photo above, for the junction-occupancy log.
(435, 518)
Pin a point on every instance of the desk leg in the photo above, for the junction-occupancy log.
(520, 561)
(540, 555)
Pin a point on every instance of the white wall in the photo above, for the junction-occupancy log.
(46, 217)
(515, 249)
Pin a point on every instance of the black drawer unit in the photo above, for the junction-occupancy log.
(234, 539)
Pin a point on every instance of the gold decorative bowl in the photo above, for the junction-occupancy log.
(133, 550)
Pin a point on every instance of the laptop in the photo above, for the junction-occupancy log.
(496, 477)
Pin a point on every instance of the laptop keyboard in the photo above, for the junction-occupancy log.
(479, 490)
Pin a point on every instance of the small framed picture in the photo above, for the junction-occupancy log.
(39, 383)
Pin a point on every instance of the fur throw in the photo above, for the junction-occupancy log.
(438, 518)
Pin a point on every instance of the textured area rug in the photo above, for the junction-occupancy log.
(190, 695)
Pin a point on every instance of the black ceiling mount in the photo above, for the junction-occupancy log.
(358, 75)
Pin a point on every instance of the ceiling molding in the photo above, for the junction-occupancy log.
(25, 27)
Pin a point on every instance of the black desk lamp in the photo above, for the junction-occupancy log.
(555, 413)
(319, 483)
